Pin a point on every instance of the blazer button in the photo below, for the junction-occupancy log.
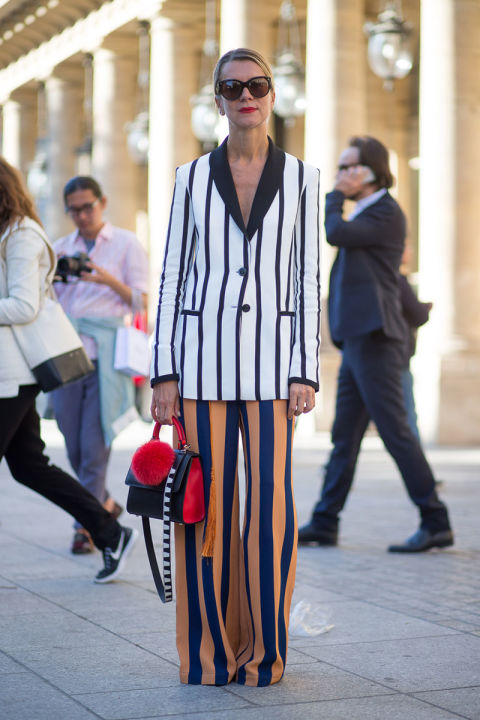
(242, 271)
(245, 307)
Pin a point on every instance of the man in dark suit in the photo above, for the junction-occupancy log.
(366, 322)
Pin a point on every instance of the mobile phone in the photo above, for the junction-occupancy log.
(369, 175)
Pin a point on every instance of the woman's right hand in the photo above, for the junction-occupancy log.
(165, 402)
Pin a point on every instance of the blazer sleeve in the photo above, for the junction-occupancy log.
(370, 227)
(172, 283)
(304, 363)
(24, 251)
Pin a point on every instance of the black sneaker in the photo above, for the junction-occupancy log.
(114, 559)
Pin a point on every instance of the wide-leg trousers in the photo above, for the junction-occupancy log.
(233, 608)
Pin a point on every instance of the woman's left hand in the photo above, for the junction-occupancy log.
(301, 399)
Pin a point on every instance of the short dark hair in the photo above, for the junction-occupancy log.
(375, 155)
(81, 182)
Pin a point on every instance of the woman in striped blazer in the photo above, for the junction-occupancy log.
(236, 351)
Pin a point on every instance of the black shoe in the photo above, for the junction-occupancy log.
(312, 533)
(114, 558)
(424, 540)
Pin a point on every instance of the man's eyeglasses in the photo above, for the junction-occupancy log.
(258, 87)
(345, 167)
(87, 208)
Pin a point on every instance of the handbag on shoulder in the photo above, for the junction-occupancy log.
(165, 484)
(49, 343)
(51, 347)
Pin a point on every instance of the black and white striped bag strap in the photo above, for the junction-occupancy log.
(164, 588)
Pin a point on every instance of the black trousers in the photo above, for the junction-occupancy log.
(23, 449)
(370, 386)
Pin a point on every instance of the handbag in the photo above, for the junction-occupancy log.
(165, 484)
(49, 343)
(52, 347)
(132, 352)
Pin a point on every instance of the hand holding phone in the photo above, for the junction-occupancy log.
(368, 174)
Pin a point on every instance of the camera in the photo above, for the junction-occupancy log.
(72, 265)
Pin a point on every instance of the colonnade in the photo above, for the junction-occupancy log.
(433, 115)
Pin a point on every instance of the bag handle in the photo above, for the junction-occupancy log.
(182, 440)
(164, 588)
(152, 559)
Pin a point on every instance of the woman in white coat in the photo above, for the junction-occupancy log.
(236, 350)
(24, 266)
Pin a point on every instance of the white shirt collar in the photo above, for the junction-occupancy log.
(366, 202)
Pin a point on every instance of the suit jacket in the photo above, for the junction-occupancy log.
(239, 307)
(364, 291)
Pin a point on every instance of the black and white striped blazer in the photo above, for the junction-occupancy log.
(239, 307)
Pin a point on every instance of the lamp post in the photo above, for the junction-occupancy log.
(137, 130)
(288, 70)
(83, 152)
(37, 175)
(389, 52)
(205, 120)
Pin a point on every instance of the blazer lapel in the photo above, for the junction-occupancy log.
(223, 180)
(269, 184)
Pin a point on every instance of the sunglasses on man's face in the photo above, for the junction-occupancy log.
(258, 87)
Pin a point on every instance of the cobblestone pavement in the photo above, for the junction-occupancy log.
(401, 636)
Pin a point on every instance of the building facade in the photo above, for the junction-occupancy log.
(73, 79)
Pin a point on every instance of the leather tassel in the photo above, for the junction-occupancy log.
(209, 537)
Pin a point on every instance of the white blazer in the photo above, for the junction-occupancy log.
(24, 265)
(239, 307)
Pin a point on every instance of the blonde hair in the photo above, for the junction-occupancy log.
(242, 54)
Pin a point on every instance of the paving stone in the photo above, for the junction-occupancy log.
(360, 622)
(410, 665)
(385, 707)
(302, 683)
(154, 702)
(27, 697)
(7, 665)
(465, 701)
(99, 665)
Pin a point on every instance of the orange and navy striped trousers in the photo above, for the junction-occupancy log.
(233, 608)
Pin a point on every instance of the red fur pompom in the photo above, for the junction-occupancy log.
(151, 463)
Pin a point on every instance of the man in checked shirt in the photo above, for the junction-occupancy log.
(112, 284)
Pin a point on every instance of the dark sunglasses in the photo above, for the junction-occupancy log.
(258, 87)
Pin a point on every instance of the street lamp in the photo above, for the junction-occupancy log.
(37, 175)
(389, 53)
(137, 129)
(288, 69)
(205, 119)
(83, 152)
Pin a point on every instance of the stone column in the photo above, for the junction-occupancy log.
(114, 105)
(459, 409)
(20, 128)
(173, 80)
(436, 204)
(63, 100)
(336, 109)
(247, 23)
